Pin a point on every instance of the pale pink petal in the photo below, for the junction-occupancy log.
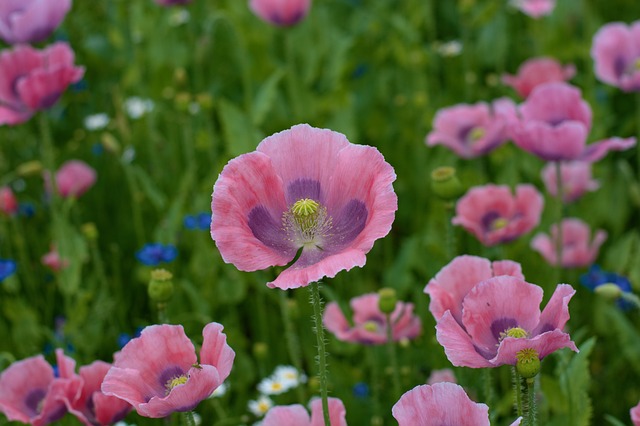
(444, 375)
(74, 178)
(544, 344)
(597, 150)
(38, 20)
(41, 89)
(439, 404)
(335, 321)
(537, 71)
(215, 351)
(556, 313)
(635, 415)
(23, 385)
(613, 51)
(457, 344)
(281, 12)
(337, 412)
(287, 415)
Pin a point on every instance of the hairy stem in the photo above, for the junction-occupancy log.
(393, 356)
(318, 328)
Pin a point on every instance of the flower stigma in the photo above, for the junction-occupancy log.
(476, 134)
(176, 381)
(517, 332)
(499, 223)
(307, 222)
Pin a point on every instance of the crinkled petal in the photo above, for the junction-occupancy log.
(544, 344)
(556, 314)
(457, 344)
(215, 351)
(597, 150)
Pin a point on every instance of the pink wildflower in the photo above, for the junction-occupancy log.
(535, 8)
(554, 125)
(616, 52)
(8, 201)
(370, 324)
(577, 247)
(158, 373)
(439, 376)
(297, 415)
(440, 404)
(168, 3)
(29, 392)
(635, 415)
(493, 215)
(74, 178)
(32, 80)
(53, 260)
(284, 13)
(30, 21)
(303, 189)
(537, 71)
(500, 319)
(91, 406)
(449, 287)
(473, 130)
(576, 179)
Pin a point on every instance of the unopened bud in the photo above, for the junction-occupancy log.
(260, 350)
(160, 286)
(388, 300)
(445, 183)
(90, 231)
(609, 291)
(30, 168)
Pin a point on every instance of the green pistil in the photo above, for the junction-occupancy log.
(476, 134)
(371, 326)
(636, 64)
(305, 213)
(516, 332)
(528, 362)
(176, 381)
(499, 223)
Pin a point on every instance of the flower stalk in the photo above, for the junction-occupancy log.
(318, 328)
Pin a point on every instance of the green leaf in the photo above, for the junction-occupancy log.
(149, 188)
(575, 379)
(265, 97)
(240, 136)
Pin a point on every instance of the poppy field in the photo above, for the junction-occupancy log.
(297, 212)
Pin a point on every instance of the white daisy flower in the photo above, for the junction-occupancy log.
(260, 406)
(96, 121)
(272, 386)
(289, 376)
(137, 107)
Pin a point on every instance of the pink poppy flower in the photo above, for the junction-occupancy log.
(554, 125)
(537, 71)
(449, 287)
(616, 52)
(635, 415)
(577, 247)
(168, 3)
(283, 13)
(297, 415)
(370, 324)
(53, 260)
(535, 8)
(91, 406)
(32, 80)
(29, 392)
(440, 404)
(8, 201)
(495, 216)
(303, 189)
(30, 21)
(500, 319)
(158, 373)
(473, 130)
(576, 179)
(440, 376)
(74, 178)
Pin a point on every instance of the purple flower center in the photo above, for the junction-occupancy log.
(33, 400)
(500, 326)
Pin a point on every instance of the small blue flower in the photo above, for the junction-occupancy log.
(190, 222)
(26, 209)
(201, 221)
(361, 390)
(97, 149)
(152, 254)
(123, 339)
(596, 277)
(7, 268)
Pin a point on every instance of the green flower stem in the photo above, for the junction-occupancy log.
(451, 231)
(393, 356)
(163, 318)
(318, 328)
(489, 392)
(631, 298)
(188, 418)
(530, 415)
(293, 345)
(517, 389)
(560, 201)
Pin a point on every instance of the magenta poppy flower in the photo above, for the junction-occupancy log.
(578, 249)
(501, 318)
(158, 373)
(53, 261)
(30, 393)
(535, 8)
(297, 415)
(8, 201)
(440, 404)
(439, 376)
(74, 178)
(283, 13)
(303, 189)
(635, 415)
(494, 215)
(168, 3)
(576, 179)
(32, 80)
(369, 323)
(616, 52)
(30, 21)
(449, 287)
(91, 406)
(554, 125)
(473, 130)
(536, 71)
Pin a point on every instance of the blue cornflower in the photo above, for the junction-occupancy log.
(7, 268)
(201, 221)
(597, 277)
(361, 390)
(26, 209)
(153, 254)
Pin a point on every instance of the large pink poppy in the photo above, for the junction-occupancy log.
(158, 373)
(284, 13)
(303, 189)
(30, 21)
(616, 52)
(369, 323)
